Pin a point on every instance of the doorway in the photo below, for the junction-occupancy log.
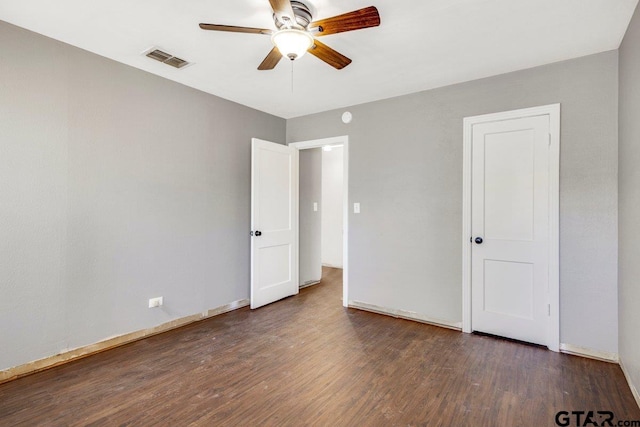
(511, 225)
(338, 144)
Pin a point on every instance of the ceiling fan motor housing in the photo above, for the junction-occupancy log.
(303, 16)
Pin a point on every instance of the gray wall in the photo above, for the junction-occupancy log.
(310, 220)
(115, 186)
(406, 171)
(629, 182)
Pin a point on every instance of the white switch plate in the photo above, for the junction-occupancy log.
(155, 302)
(356, 208)
(315, 206)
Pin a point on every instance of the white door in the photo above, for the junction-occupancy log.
(274, 222)
(510, 227)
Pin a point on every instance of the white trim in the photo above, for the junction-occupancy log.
(316, 143)
(344, 141)
(553, 111)
(576, 350)
(113, 342)
(554, 227)
(466, 228)
(402, 314)
(331, 266)
(309, 283)
(633, 388)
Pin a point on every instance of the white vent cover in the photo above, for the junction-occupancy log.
(166, 58)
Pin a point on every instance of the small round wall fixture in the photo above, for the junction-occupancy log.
(346, 117)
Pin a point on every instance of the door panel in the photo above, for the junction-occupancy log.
(274, 222)
(508, 185)
(505, 283)
(510, 205)
(274, 189)
(274, 265)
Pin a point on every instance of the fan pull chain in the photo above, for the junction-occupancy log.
(292, 77)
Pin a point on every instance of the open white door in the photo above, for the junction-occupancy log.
(274, 222)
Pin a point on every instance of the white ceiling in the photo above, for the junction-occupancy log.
(420, 44)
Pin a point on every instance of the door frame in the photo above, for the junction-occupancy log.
(553, 111)
(344, 141)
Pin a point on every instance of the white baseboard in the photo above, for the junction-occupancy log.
(331, 266)
(309, 283)
(589, 353)
(633, 388)
(402, 314)
(109, 343)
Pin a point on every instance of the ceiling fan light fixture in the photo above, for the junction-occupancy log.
(292, 43)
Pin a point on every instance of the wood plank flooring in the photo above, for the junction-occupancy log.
(306, 360)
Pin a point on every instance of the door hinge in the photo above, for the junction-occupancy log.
(549, 309)
(549, 139)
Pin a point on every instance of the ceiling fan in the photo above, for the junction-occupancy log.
(296, 32)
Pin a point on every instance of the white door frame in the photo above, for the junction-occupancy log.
(344, 141)
(553, 111)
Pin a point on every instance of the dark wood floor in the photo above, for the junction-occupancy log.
(308, 361)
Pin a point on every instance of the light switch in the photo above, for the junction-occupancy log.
(315, 206)
(356, 208)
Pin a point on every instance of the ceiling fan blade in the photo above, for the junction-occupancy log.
(234, 29)
(328, 55)
(356, 20)
(283, 11)
(272, 59)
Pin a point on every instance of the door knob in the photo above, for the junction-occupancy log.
(258, 233)
(479, 240)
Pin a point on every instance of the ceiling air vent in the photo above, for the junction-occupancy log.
(166, 58)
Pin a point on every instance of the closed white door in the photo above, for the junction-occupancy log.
(510, 228)
(274, 222)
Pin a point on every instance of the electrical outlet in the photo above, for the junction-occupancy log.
(155, 302)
